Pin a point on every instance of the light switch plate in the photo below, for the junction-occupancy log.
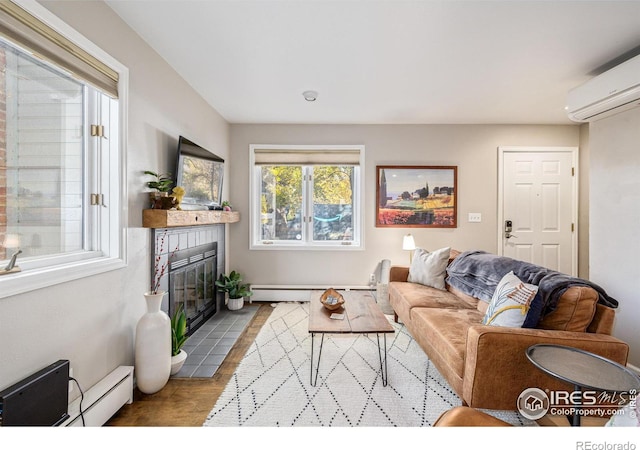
(475, 217)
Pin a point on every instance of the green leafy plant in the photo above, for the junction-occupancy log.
(178, 330)
(232, 284)
(162, 181)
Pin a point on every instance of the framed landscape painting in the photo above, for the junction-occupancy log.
(416, 196)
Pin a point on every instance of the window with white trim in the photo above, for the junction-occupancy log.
(60, 157)
(306, 197)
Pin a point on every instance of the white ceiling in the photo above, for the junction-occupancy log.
(388, 61)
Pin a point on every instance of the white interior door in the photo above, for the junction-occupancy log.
(538, 199)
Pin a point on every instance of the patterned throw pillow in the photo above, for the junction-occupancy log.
(429, 268)
(510, 302)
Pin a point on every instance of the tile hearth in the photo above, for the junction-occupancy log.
(208, 346)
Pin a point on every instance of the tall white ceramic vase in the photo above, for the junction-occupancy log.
(153, 346)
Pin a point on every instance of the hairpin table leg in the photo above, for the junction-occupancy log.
(383, 370)
(314, 380)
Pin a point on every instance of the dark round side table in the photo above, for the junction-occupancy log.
(584, 370)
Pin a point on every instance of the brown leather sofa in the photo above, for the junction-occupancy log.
(486, 365)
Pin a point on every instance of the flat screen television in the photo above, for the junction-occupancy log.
(200, 173)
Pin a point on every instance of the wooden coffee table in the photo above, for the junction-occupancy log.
(361, 315)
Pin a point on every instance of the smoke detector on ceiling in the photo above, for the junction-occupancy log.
(310, 96)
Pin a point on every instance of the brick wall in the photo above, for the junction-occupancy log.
(3, 154)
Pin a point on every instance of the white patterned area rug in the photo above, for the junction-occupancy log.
(271, 386)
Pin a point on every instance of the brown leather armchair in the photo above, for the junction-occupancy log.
(464, 416)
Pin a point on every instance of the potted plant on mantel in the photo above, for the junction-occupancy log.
(162, 183)
(178, 338)
(236, 290)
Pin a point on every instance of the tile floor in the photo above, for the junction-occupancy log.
(208, 345)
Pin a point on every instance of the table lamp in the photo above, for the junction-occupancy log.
(409, 244)
(11, 241)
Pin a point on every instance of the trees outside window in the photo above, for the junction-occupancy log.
(306, 205)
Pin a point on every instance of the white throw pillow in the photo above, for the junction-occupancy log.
(429, 268)
(510, 302)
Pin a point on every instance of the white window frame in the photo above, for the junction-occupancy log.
(109, 239)
(256, 243)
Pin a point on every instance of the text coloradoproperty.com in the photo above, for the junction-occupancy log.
(598, 412)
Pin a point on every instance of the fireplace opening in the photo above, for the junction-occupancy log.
(192, 275)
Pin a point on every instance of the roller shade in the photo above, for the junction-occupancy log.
(29, 32)
(274, 157)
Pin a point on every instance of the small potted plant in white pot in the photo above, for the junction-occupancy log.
(178, 338)
(236, 290)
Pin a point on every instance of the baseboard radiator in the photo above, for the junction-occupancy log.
(293, 293)
(102, 400)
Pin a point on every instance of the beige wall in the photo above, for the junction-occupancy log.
(92, 321)
(615, 219)
(583, 207)
(473, 148)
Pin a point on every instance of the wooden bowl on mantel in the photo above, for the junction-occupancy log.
(332, 300)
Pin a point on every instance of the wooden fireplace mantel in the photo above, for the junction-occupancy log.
(163, 218)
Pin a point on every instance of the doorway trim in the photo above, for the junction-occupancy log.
(574, 197)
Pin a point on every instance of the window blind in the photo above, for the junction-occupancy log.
(30, 33)
(274, 157)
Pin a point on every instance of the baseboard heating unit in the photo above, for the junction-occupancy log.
(41, 399)
(103, 399)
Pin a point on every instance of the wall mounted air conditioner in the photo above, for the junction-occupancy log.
(613, 91)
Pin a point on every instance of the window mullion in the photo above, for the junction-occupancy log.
(103, 143)
(307, 204)
(91, 170)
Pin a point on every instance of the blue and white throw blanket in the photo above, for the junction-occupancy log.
(477, 273)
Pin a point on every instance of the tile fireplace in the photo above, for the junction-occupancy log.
(194, 258)
(192, 275)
